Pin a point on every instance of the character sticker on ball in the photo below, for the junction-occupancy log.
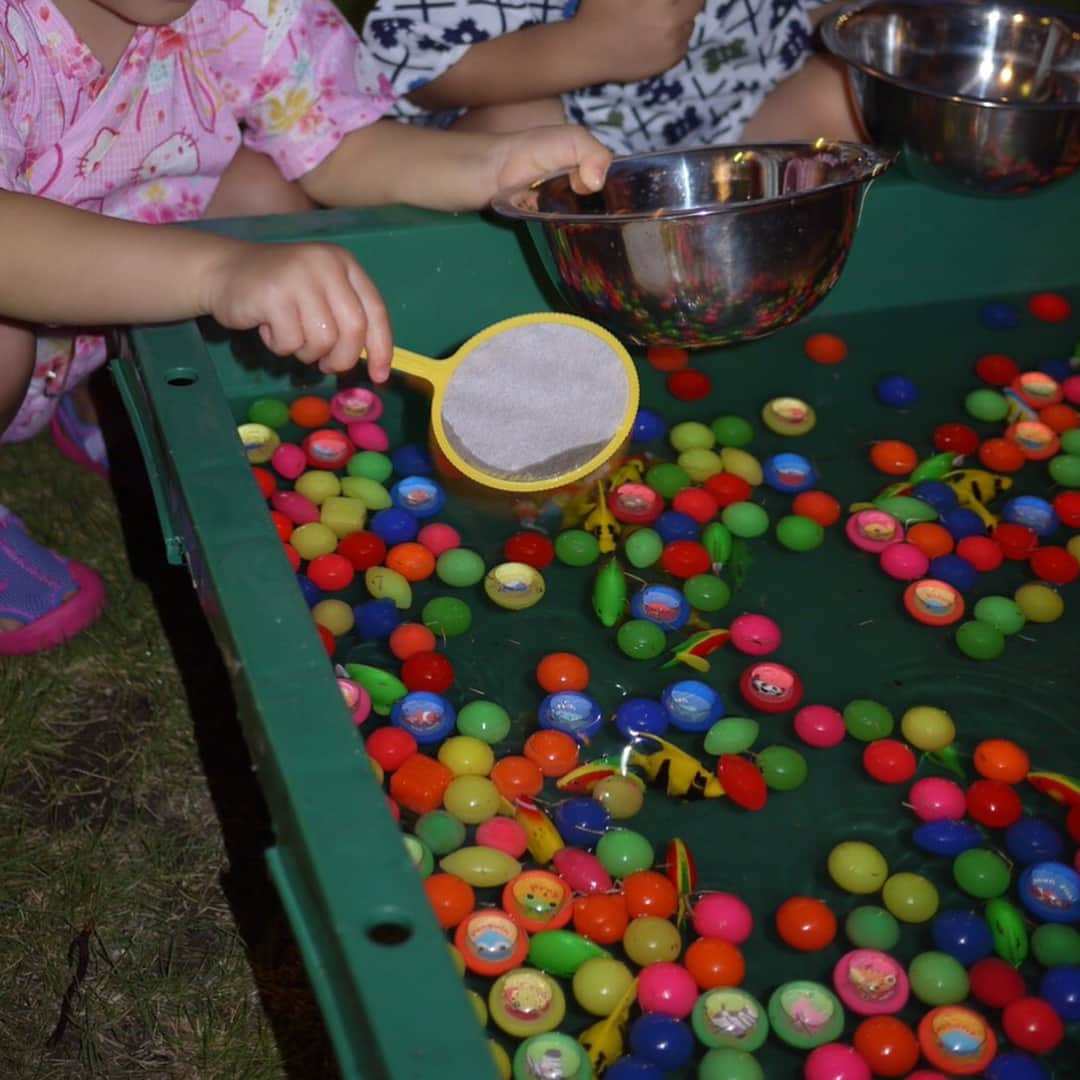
(870, 982)
(770, 687)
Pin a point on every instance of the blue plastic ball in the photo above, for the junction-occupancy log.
(418, 495)
(411, 459)
(1013, 1065)
(571, 712)
(1060, 988)
(641, 716)
(964, 935)
(663, 1040)
(1031, 840)
(632, 1068)
(947, 837)
(996, 315)
(1033, 513)
(789, 473)
(428, 717)
(963, 522)
(896, 391)
(692, 705)
(648, 426)
(1051, 892)
(1058, 370)
(957, 571)
(581, 822)
(661, 604)
(309, 590)
(675, 525)
(376, 620)
(937, 493)
(394, 525)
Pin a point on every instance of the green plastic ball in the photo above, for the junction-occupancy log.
(623, 852)
(707, 592)
(370, 464)
(872, 927)
(981, 873)
(1070, 441)
(446, 616)
(370, 492)
(731, 735)
(269, 411)
(1000, 612)
(692, 435)
(643, 548)
(987, 405)
(727, 1064)
(460, 567)
(733, 431)
(640, 639)
(1054, 944)
(440, 831)
(868, 720)
(784, 769)
(575, 547)
(798, 533)
(979, 640)
(1065, 470)
(938, 979)
(745, 519)
(484, 720)
(667, 479)
(419, 854)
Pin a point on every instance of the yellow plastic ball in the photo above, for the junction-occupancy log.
(457, 959)
(600, 984)
(465, 756)
(317, 485)
(313, 539)
(649, 940)
(335, 615)
(370, 492)
(857, 867)
(927, 727)
(343, 515)
(700, 463)
(259, 442)
(380, 775)
(479, 1007)
(502, 1060)
(471, 799)
(742, 464)
(621, 796)
(382, 583)
(1039, 603)
(1072, 546)
(911, 898)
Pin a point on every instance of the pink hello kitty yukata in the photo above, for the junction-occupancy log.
(150, 141)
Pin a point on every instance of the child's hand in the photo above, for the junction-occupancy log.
(311, 301)
(637, 40)
(525, 156)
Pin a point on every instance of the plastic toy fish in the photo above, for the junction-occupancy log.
(974, 488)
(605, 1041)
(631, 471)
(718, 542)
(948, 758)
(1057, 786)
(740, 564)
(666, 766)
(694, 649)
(542, 837)
(1007, 931)
(1018, 408)
(581, 780)
(609, 593)
(602, 524)
(578, 506)
(682, 873)
(934, 468)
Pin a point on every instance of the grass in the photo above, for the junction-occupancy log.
(139, 933)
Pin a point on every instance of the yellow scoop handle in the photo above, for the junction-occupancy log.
(435, 372)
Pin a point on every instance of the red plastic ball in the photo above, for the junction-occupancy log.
(727, 488)
(696, 502)
(391, 747)
(327, 448)
(825, 348)
(1054, 564)
(282, 525)
(819, 506)
(327, 639)
(743, 782)
(407, 639)
(889, 761)
(667, 357)
(411, 560)
(685, 559)
(363, 549)
(893, 457)
(715, 962)
(993, 804)
(601, 917)
(1060, 417)
(982, 552)
(1067, 508)
(431, 671)
(1002, 455)
(1050, 307)
(529, 547)
(689, 385)
(293, 556)
(887, 1045)
(1072, 823)
(995, 983)
(331, 572)
(265, 479)
(1017, 542)
(1031, 1024)
(805, 924)
(649, 893)
(956, 439)
(997, 369)
(562, 671)
(554, 753)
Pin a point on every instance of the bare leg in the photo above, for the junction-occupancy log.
(499, 119)
(813, 103)
(253, 185)
(16, 368)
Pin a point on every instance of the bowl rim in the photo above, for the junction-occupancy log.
(874, 160)
(830, 29)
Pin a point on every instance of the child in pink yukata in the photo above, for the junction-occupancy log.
(160, 111)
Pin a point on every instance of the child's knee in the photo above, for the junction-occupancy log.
(252, 185)
(16, 369)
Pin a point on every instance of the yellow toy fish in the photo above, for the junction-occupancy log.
(602, 524)
(605, 1041)
(974, 488)
(631, 471)
(666, 766)
(576, 507)
(542, 837)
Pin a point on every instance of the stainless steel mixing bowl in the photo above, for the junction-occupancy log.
(979, 96)
(702, 247)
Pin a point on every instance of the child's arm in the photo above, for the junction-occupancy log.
(605, 41)
(388, 162)
(312, 301)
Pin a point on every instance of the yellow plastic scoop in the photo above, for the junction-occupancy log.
(530, 403)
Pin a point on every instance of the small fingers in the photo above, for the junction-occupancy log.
(379, 338)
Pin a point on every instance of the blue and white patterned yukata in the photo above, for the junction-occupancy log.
(739, 50)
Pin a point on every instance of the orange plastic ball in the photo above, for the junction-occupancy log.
(450, 898)
(1060, 417)
(650, 893)
(819, 506)
(893, 457)
(825, 348)
(931, 539)
(408, 639)
(805, 924)
(715, 962)
(887, 1045)
(553, 752)
(668, 358)
(309, 412)
(1001, 455)
(412, 561)
(515, 776)
(601, 917)
(562, 671)
(1001, 759)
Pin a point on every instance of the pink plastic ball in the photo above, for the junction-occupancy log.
(1071, 389)
(820, 726)
(755, 635)
(368, 436)
(667, 988)
(927, 1074)
(934, 798)
(835, 1061)
(904, 562)
(299, 509)
(503, 834)
(724, 916)
(357, 700)
(439, 537)
(395, 810)
(356, 405)
(581, 870)
(289, 460)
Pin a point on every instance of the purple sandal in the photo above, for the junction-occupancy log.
(33, 584)
(82, 443)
